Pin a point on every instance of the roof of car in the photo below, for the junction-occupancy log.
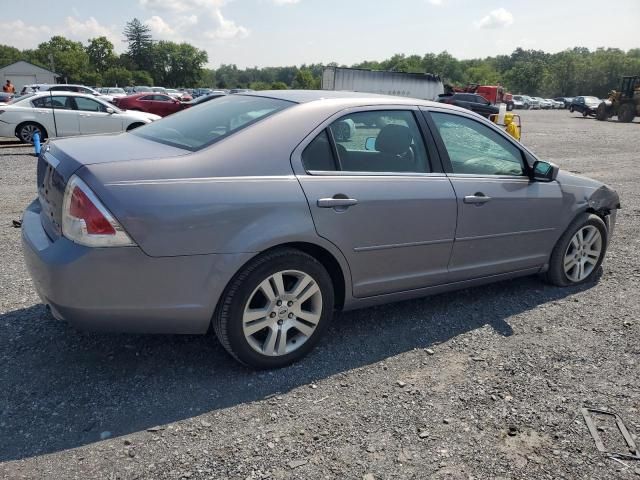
(46, 93)
(305, 96)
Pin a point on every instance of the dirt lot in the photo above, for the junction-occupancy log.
(482, 383)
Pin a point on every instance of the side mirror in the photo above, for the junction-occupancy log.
(110, 110)
(545, 171)
(370, 144)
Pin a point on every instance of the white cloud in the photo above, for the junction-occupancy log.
(285, 2)
(22, 35)
(185, 14)
(499, 18)
(436, 2)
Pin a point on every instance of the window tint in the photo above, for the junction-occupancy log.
(318, 155)
(380, 141)
(55, 101)
(88, 105)
(147, 97)
(476, 149)
(162, 98)
(196, 128)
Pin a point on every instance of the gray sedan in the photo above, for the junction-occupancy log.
(262, 213)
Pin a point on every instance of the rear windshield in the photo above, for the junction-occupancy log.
(200, 126)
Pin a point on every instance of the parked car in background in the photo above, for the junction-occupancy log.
(533, 102)
(113, 92)
(470, 101)
(156, 103)
(240, 90)
(63, 87)
(138, 89)
(585, 105)
(191, 222)
(204, 99)
(6, 97)
(544, 103)
(183, 96)
(563, 101)
(519, 102)
(554, 104)
(64, 114)
(159, 90)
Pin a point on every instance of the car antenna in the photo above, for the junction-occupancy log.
(53, 110)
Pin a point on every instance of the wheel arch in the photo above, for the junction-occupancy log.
(21, 124)
(336, 268)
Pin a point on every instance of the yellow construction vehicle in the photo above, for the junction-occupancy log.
(623, 103)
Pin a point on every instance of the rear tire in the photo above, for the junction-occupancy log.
(574, 252)
(626, 113)
(275, 310)
(26, 130)
(571, 108)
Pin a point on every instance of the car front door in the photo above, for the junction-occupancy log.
(59, 110)
(94, 117)
(506, 222)
(378, 193)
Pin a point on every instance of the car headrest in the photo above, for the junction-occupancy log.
(394, 139)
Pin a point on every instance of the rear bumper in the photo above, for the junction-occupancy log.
(123, 289)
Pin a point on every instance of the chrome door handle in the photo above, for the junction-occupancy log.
(336, 202)
(477, 199)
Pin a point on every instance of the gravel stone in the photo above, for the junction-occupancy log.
(547, 351)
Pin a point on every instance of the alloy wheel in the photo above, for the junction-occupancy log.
(27, 132)
(282, 313)
(583, 253)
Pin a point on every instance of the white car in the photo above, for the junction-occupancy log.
(114, 92)
(64, 114)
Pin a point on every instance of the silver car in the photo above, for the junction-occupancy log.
(263, 213)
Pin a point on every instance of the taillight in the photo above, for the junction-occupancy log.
(86, 221)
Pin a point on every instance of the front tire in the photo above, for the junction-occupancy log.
(275, 310)
(579, 252)
(602, 113)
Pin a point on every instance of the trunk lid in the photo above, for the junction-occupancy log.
(61, 158)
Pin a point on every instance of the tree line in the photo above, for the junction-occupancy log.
(576, 71)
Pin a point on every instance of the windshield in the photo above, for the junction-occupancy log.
(115, 90)
(199, 127)
(592, 99)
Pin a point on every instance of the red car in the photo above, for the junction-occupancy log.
(157, 103)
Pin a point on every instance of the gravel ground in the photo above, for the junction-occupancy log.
(481, 383)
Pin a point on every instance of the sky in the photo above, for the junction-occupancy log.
(292, 32)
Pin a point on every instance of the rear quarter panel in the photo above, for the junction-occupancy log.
(239, 195)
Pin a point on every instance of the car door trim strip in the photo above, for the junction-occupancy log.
(402, 245)
(163, 181)
(507, 234)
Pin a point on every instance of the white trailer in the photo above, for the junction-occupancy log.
(425, 86)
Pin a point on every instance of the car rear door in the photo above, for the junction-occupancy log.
(378, 193)
(506, 222)
(94, 118)
(59, 110)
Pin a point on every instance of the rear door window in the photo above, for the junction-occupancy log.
(60, 102)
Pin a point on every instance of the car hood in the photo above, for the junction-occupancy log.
(142, 115)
